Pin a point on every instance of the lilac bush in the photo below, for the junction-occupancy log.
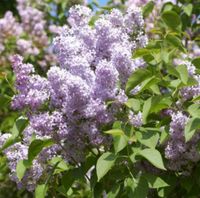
(94, 65)
(118, 114)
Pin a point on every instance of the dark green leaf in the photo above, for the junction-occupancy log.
(175, 41)
(172, 19)
(114, 191)
(36, 147)
(147, 9)
(136, 78)
(141, 190)
(196, 62)
(149, 82)
(137, 188)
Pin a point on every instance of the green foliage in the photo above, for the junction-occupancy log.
(171, 19)
(147, 9)
(136, 78)
(153, 156)
(104, 164)
(16, 131)
(40, 191)
(154, 105)
(36, 146)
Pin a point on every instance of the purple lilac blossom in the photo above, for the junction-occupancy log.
(28, 34)
(180, 153)
(69, 106)
(135, 119)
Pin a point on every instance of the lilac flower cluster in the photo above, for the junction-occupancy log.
(69, 106)
(28, 35)
(179, 153)
(32, 21)
(135, 119)
(9, 28)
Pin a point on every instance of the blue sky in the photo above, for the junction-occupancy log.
(102, 2)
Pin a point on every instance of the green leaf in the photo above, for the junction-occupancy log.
(21, 168)
(16, 130)
(155, 89)
(136, 78)
(104, 164)
(4, 101)
(61, 164)
(164, 136)
(40, 191)
(36, 147)
(192, 125)
(188, 9)
(176, 42)
(168, 6)
(141, 52)
(147, 9)
(194, 110)
(165, 55)
(148, 138)
(172, 70)
(153, 156)
(117, 124)
(172, 19)
(115, 132)
(114, 191)
(93, 20)
(149, 82)
(120, 142)
(64, 5)
(175, 83)
(141, 190)
(154, 105)
(134, 104)
(136, 188)
(19, 126)
(70, 176)
(196, 62)
(146, 109)
(62, 191)
(183, 73)
(155, 181)
(67, 180)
